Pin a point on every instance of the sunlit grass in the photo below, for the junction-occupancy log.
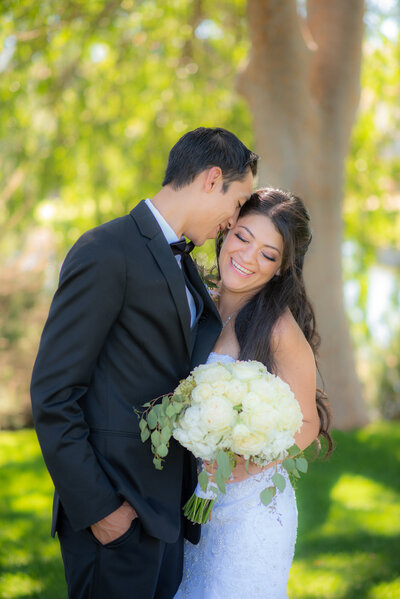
(390, 590)
(348, 543)
(30, 564)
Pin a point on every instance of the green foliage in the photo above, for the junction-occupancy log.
(372, 202)
(267, 495)
(203, 480)
(279, 481)
(386, 370)
(372, 194)
(95, 95)
(302, 465)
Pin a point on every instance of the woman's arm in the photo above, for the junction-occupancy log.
(295, 364)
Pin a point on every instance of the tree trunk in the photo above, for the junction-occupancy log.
(302, 84)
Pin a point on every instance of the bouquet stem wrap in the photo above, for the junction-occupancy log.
(198, 508)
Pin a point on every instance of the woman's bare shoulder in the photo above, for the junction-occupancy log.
(287, 335)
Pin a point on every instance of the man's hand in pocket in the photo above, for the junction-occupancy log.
(115, 524)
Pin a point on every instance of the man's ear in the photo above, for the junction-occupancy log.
(213, 176)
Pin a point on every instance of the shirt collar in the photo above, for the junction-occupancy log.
(168, 231)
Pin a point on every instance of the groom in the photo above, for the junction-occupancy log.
(130, 318)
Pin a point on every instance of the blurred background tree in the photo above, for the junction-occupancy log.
(94, 94)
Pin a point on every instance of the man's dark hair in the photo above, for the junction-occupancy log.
(203, 148)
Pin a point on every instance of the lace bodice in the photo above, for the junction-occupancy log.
(215, 357)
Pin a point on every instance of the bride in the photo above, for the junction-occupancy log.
(246, 550)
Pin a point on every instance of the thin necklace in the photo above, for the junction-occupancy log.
(228, 319)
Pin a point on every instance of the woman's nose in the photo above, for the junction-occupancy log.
(248, 254)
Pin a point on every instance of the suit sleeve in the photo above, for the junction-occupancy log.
(85, 306)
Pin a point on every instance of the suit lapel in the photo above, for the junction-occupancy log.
(166, 261)
(201, 288)
(209, 324)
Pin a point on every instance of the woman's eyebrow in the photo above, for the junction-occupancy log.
(265, 244)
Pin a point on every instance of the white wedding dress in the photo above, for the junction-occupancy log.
(247, 548)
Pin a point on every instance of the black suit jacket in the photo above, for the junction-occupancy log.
(118, 335)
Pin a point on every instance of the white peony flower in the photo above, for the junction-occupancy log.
(217, 413)
(245, 442)
(235, 391)
(201, 392)
(246, 371)
(192, 424)
(264, 387)
(251, 401)
(210, 373)
(220, 387)
(263, 418)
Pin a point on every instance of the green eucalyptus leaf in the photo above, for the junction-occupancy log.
(142, 424)
(294, 450)
(162, 419)
(224, 464)
(156, 438)
(220, 480)
(289, 464)
(145, 434)
(279, 481)
(162, 450)
(170, 410)
(166, 433)
(203, 480)
(157, 463)
(152, 418)
(267, 495)
(302, 464)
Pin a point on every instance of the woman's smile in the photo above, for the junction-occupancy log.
(241, 270)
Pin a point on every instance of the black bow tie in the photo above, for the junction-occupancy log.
(181, 248)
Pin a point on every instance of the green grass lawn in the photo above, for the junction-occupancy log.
(348, 543)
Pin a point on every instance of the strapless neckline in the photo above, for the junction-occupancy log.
(217, 357)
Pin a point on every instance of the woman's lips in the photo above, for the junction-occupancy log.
(239, 269)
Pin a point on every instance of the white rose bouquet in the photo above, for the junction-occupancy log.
(220, 411)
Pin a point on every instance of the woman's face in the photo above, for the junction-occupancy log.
(251, 254)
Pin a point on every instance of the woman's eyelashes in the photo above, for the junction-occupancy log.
(241, 238)
(270, 258)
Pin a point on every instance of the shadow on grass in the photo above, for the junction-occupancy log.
(348, 537)
(373, 453)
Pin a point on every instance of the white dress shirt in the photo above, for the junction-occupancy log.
(171, 237)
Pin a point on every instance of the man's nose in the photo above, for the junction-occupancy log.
(231, 222)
